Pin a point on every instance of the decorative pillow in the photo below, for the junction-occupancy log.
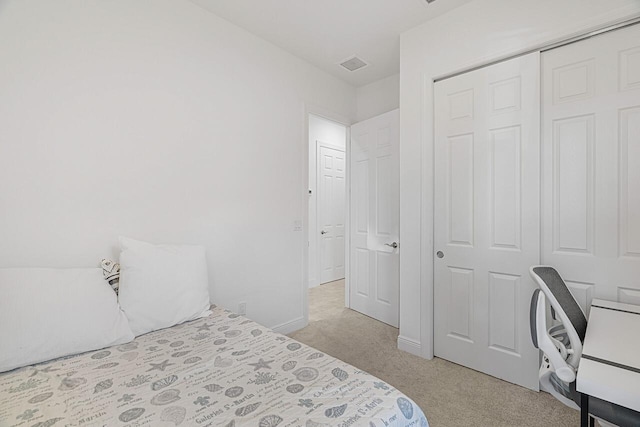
(48, 313)
(111, 272)
(162, 285)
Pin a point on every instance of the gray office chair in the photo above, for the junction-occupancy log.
(561, 345)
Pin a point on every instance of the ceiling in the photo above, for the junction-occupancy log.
(326, 32)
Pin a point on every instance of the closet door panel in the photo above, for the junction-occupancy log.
(591, 159)
(486, 228)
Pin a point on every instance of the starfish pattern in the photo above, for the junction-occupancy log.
(27, 414)
(204, 327)
(261, 364)
(160, 366)
(46, 370)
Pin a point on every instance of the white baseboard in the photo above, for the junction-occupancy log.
(409, 345)
(290, 326)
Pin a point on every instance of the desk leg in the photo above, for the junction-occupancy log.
(584, 410)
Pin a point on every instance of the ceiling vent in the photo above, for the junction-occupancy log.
(354, 63)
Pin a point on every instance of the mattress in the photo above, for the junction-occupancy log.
(222, 370)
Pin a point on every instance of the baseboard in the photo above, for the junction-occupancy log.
(409, 345)
(290, 326)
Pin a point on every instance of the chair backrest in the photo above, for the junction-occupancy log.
(565, 306)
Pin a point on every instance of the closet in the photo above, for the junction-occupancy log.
(537, 161)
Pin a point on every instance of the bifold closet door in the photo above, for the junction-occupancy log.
(487, 218)
(591, 165)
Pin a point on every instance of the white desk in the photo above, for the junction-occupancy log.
(610, 363)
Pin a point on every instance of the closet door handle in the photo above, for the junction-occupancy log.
(394, 245)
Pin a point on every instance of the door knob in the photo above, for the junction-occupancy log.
(323, 232)
(394, 245)
(440, 254)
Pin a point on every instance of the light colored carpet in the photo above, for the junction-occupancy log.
(449, 394)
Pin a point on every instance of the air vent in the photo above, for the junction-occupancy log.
(353, 64)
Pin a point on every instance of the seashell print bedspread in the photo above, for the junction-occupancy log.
(223, 370)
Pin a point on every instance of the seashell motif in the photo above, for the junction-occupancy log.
(174, 414)
(223, 328)
(220, 341)
(166, 397)
(200, 336)
(336, 411)
(162, 341)
(256, 332)
(316, 355)
(100, 354)
(340, 374)
(270, 421)
(293, 346)
(234, 391)
(131, 414)
(47, 423)
(129, 356)
(311, 423)
(212, 388)
(195, 359)
(165, 382)
(176, 344)
(287, 366)
(306, 374)
(40, 398)
(233, 316)
(232, 334)
(107, 365)
(295, 388)
(246, 410)
(222, 363)
(102, 386)
(405, 407)
(71, 383)
(181, 353)
(239, 353)
(128, 346)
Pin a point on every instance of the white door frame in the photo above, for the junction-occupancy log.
(320, 143)
(494, 53)
(319, 111)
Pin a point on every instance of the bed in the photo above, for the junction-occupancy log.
(221, 370)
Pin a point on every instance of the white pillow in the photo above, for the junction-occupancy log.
(48, 313)
(162, 285)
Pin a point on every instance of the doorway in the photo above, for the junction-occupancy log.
(327, 200)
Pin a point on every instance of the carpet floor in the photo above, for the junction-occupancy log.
(449, 394)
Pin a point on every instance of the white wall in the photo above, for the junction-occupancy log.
(473, 34)
(378, 97)
(335, 134)
(157, 120)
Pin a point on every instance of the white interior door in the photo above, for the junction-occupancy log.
(591, 164)
(486, 230)
(374, 201)
(331, 212)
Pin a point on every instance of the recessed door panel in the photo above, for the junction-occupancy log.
(460, 189)
(630, 181)
(573, 187)
(506, 225)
